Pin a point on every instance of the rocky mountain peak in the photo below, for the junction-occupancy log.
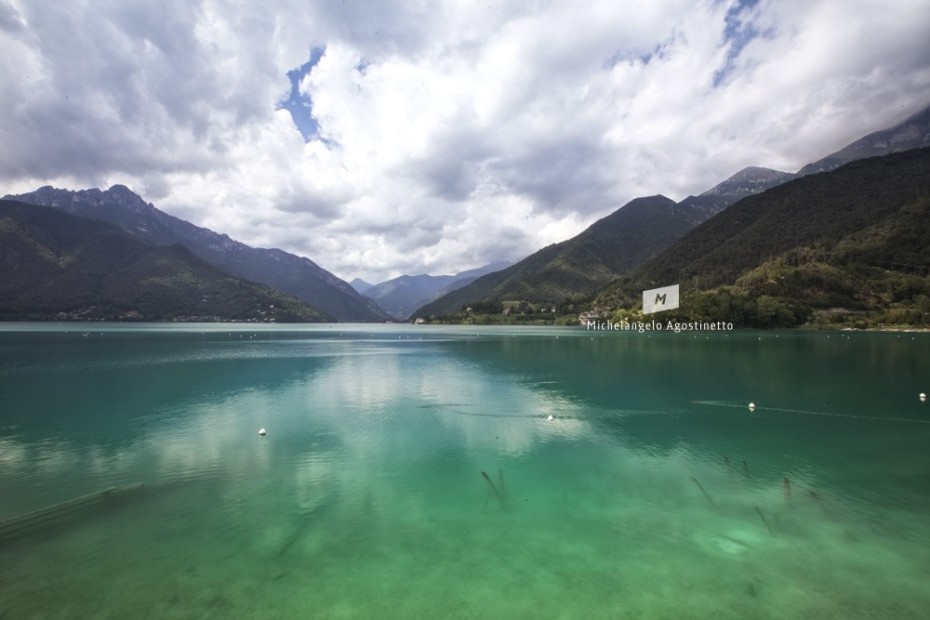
(748, 181)
(912, 133)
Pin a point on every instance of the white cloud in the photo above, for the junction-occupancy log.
(455, 133)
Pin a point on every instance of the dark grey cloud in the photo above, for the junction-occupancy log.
(129, 87)
(10, 19)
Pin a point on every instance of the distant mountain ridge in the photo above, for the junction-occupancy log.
(913, 133)
(295, 275)
(360, 285)
(60, 266)
(400, 296)
(749, 181)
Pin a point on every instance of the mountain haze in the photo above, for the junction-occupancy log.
(400, 296)
(913, 133)
(275, 268)
(360, 285)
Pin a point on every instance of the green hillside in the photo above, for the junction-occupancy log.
(583, 264)
(850, 246)
(276, 269)
(63, 267)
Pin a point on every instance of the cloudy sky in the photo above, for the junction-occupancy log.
(388, 137)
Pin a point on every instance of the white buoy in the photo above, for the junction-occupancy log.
(261, 432)
(752, 406)
(923, 396)
(550, 418)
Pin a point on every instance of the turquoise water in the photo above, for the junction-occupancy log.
(652, 493)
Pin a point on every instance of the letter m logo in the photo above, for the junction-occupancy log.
(659, 299)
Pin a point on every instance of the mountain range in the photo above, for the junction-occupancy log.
(60, 266)
(644, 227)
(400, 296)
(625, 244)
(277, 269)
(854, 239)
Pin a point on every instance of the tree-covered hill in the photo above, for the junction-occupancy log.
(850, 244)
(274, 268)
(59, 266)
(583, 264)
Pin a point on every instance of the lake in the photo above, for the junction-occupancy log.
(414, 472)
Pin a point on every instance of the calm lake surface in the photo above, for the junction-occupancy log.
(652, 493)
